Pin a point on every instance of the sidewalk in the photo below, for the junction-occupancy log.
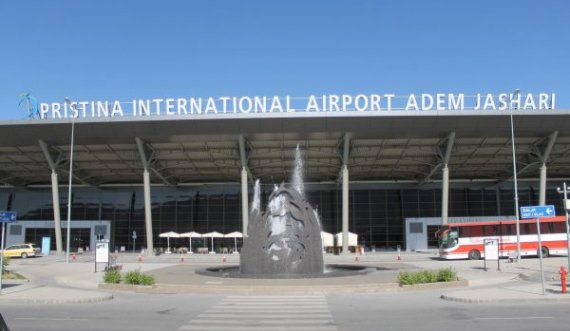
(515, 282)
(51, 280)
(514, 293)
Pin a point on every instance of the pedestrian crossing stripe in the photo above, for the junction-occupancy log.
(268, 313)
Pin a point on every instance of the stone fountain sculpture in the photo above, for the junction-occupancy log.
(284, 240)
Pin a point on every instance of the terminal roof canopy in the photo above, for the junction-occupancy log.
(407, 147)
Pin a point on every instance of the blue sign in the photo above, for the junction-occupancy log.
(538, 211)
(7, 216)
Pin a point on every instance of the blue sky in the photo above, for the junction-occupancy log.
(120, 50)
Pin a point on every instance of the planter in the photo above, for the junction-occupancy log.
(435, 286)
(127, 288)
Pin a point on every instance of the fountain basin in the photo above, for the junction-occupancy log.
(331, 270)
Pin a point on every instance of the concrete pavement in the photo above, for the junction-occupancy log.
(51, 280)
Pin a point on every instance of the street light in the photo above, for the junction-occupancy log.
(515, 176)
(73, 107)
(565, 205)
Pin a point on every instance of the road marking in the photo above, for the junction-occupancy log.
(257, 327)
(275, 300)
(235, 310)
(274, 297)
(50, 319)
(269, 313)
(264, 322)
(257, 315)
(513, 318)
(273, 303)
(270, 306)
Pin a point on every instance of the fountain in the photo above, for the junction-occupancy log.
(284, 240)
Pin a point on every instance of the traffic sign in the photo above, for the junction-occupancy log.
(7, 216)
(538, 211)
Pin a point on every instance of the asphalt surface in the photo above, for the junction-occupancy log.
(50, 280)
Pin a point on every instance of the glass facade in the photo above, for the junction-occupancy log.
(377, 212)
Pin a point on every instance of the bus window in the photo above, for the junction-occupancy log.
(546, 228)
(473, 231)
(448, 239)
(465, 232)
(490, 230)
(528, 228)
(531, 228)
(508, 229)
(559, 227)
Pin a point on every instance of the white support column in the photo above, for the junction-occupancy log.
(55, 196)
(445, 179)
(542, 192)
(244, 202)
(56, 212)
(345, 210)
(148, 212)
(444, 195)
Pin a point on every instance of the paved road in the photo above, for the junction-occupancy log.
(379, 311)
(419, 310)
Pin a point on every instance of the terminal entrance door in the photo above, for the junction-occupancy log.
(431, 237)
(80, 238)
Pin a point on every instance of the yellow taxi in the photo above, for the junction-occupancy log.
(22, 250)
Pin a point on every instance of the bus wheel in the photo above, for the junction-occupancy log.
(545, 252)
(474, 255)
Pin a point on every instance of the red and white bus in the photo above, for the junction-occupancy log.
(465, 240)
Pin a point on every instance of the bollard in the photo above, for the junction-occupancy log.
(563, 278)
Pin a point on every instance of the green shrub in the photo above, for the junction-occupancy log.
(136, 277)
(446, 275)
(146, 280)
(427, 276)
(132, 277)
(5, 262)
(112, 276)
(406, 278)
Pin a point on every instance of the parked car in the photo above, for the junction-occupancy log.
(22, 250)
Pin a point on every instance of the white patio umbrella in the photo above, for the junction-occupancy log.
(212, 235)
(235, 235)
(168, 235)
(327, 239)
(352, 239)
(190, 235)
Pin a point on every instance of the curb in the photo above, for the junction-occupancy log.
(539, 299)
(300, 289)
(33, 294)
(251, 290)
(435, 286)
(59, 301)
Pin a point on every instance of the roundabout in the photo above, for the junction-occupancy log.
(330, 270)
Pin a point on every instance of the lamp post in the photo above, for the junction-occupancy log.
(73, 107)
(515, 176)
(565, 205)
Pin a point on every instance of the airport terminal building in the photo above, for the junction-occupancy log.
(372, 164)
